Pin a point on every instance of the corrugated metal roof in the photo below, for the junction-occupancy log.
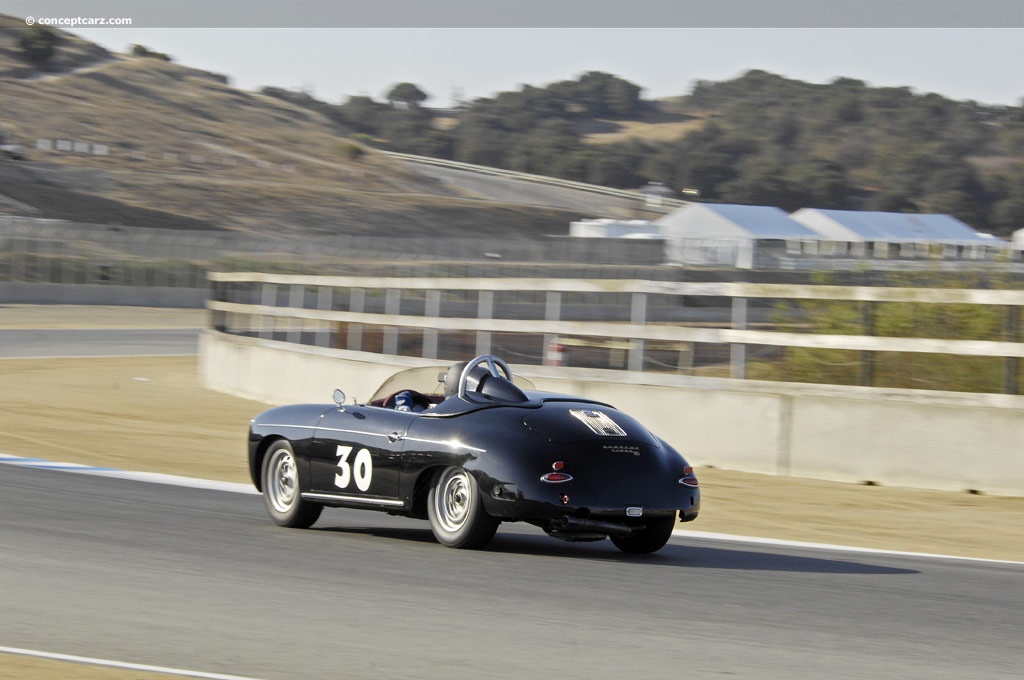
(883, 226)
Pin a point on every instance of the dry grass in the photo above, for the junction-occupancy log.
(15, 667)
(653, 126)
(142, 413)
(994, 164)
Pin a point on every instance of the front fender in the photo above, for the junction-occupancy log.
(295, 423)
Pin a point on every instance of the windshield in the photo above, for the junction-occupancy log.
(428, 380)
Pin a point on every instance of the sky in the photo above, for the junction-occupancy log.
(986, 65)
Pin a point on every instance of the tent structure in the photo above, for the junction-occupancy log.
(714, 220)
(855, 225)
(725, 234)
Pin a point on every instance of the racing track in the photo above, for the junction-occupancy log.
(201, 579)
(97, 342)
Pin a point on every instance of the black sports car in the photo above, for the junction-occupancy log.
(469, 448)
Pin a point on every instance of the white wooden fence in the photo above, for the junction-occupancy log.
(333, 292)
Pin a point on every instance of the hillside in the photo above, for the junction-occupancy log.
(757, 139)
(185, 149)
(71, 52)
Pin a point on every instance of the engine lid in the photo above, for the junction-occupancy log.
(572, 423)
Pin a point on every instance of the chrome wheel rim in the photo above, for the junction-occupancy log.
(453, 500)
(282, 483)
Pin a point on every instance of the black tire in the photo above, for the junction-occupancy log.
(281, 490)
(456, 512)
(651, 538)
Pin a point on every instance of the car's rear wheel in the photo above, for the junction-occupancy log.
(457, 515)
(281, 491)
(651, 538)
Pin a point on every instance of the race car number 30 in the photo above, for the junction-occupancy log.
(363, 468)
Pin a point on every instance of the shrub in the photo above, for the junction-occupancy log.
(353, 152)
(38, 43)
(142, 51)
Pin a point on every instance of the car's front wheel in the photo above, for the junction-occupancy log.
(457, 515)
(281, 492)
(651, 538)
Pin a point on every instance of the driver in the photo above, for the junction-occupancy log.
(404, 401)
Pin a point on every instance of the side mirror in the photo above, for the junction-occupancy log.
(339, 399)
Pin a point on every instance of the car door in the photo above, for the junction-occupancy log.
(356, 452)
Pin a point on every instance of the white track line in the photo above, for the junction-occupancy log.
(121, 664)
(235, 487)
(152, 477)
(686, 533)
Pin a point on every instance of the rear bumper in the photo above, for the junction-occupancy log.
(514, 504)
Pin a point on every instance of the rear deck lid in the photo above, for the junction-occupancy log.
(567, 423)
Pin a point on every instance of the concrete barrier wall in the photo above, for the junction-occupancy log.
(934, 440)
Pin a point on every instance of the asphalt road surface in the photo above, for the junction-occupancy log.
(97, 342)
(201, 579)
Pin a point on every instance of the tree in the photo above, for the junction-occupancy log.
(891, 201)
(407, 94)
(960, 205)
(786, 129)
(143, 51)
(761, 182)
(38, 43)
(846, 108)
(1008, 215)
(821, 183)
(362, 114)
(600, 94)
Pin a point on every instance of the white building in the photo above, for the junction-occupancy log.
(857, 225)
(723, 234)
(606, 228)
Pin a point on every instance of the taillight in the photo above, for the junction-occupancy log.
(689, 480)
(556, 477)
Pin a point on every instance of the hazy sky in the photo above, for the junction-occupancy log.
(986, 65)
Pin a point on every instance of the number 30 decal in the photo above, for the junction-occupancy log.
(363, 468)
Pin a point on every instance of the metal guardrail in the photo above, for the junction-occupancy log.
(637, 331)
(536, 179)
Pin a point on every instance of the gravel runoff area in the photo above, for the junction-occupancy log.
(151, 414)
